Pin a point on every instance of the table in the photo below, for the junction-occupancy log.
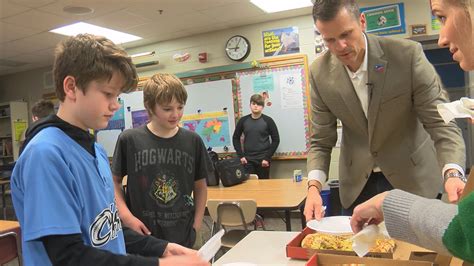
(270, 194)
(9, 247)
(262, 248)
(268, 248)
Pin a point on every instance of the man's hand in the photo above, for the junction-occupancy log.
(136, 225)
(454, 188)
(368, 212)
(314, 202)
(265, 163)
(243, 160)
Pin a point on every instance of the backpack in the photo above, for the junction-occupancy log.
(213, 178)
(231, 172)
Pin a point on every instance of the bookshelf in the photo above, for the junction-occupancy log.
(13, 119)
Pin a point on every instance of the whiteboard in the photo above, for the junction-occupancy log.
(204, 97)
(286, 104)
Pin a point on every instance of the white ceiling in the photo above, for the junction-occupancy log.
(26, 43)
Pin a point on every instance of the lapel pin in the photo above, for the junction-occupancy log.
(379, 68)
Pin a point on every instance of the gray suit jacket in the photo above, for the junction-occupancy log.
(404, 134)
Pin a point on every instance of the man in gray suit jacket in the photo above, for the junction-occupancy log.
(385, 93)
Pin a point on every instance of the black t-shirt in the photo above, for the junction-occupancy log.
(161, 175)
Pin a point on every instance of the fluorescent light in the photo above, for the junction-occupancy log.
(81, 27)
(151, 53)
(272, 6)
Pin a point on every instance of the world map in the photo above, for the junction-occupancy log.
(213, 128)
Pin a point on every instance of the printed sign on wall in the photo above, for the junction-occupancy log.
(385, 19)
(281, 41)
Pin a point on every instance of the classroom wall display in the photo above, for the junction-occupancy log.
(385, 19)
(286, 101)
(281, 41)
(209, 112)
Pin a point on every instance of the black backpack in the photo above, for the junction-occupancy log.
(231, 172)
(213, 177)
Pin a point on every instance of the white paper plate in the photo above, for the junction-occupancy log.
(336, 225)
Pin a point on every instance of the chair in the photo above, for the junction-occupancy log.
(10, 244)
(238, 213)
(253, 176)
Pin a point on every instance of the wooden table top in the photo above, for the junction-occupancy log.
(6, 226)
(268, 193)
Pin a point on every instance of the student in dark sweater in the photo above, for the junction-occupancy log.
(261, 139)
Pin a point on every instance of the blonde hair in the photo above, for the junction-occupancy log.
(162, 89)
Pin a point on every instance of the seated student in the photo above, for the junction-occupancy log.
(167, 167)
(62, 185)
(41, 109)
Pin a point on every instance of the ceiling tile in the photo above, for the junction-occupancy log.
(228, 12)
(100, 8)
(119, 20)
(32, 3)
(9, 9)
(9, 32)
(38, 20)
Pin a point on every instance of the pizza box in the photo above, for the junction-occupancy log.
(295, 251)
(319, 259)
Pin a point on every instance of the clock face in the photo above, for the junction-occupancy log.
(237, 48)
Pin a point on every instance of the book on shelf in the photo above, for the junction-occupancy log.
(7, 147)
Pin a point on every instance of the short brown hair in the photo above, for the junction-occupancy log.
(327, 10)
(257, 99)
(87, 57)
(42, 108)
(162, 89)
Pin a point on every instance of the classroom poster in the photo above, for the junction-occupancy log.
(385, 19)
(281, 41)
(263, 83)
(290, 85)
(118, 120)
(19, 126)
(139, 118)
(212, 127)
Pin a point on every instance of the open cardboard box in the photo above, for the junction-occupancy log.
(295, 251)
(319, 259)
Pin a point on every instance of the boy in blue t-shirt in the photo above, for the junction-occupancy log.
(167, 167)
(62, 185)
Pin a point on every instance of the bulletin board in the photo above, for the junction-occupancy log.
(286, 102)
(223, 94)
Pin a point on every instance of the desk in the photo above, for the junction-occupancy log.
(268, 248)
(270, 194)
(261, 248)
(4, 183)
(8, 246)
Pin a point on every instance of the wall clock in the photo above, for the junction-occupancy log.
(237, 48)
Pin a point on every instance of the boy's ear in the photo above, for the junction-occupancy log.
(69, 86)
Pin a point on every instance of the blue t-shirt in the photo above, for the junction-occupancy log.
(58, 188)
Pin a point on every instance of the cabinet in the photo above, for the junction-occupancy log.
(13, 119)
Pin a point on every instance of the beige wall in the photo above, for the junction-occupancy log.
(29, 85)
